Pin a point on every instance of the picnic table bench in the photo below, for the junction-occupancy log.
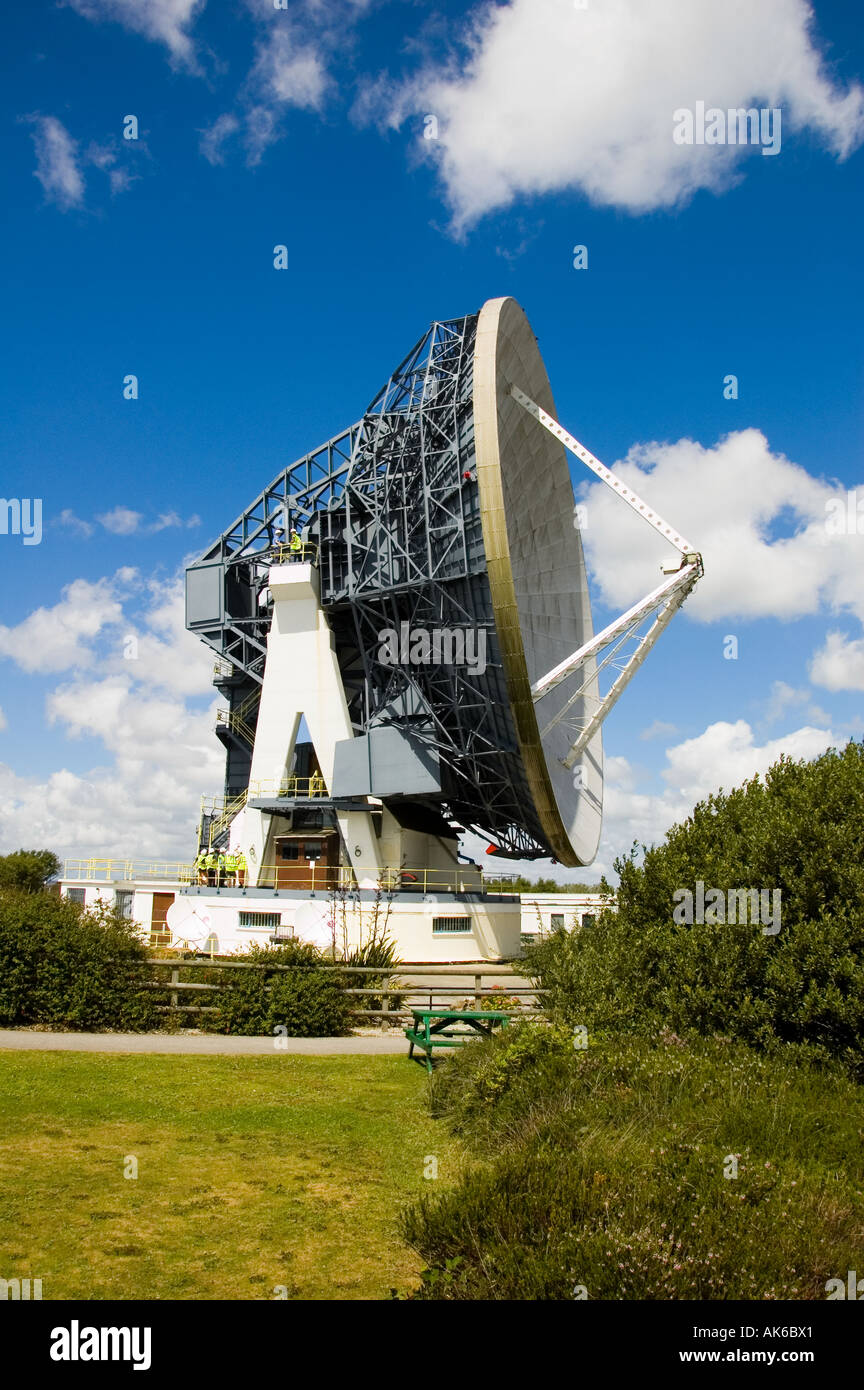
(434, 1028)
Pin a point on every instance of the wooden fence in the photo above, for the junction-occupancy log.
(399, 986)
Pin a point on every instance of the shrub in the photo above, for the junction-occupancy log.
(72, 967)
(607, 1169)
(306, 1000)
(28, 869)
(378, 951)
(800, 830)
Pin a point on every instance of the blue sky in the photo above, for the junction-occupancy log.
(305, 127)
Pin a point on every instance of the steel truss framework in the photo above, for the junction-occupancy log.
(391, 505)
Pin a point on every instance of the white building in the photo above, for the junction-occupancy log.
(452, 924)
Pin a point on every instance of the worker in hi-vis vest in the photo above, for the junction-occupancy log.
(210, 863)
(241, 868)
(220, 869)
(296, 543)
(231, 868)
(201, 867)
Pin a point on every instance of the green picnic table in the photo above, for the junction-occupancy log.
(433, 1028)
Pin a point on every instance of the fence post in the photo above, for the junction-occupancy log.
(478, 981)
(175, 979)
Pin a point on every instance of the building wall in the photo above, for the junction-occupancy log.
(497, 925)
(142, 899)
(542, 912)
(493, 925)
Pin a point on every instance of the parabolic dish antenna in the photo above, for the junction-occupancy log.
(313, 924)
(446, 510)
(537, 577)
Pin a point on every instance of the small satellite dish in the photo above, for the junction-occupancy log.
(313, 923)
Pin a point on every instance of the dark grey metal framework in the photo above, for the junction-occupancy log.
(391, 506)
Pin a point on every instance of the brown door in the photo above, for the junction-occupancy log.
(307, 861)
(159, 933)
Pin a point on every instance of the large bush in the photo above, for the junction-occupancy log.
(71, 967)
(800, 830)
(28, 869)
(606, 1172)
(302, 1001)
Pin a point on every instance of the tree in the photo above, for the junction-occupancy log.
(28, 870)
(789, 848)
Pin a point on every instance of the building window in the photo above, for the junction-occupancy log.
(289, 849)
(76, 895)
(588, 919)
(259, 919)
(556, 920)
(312, 849)
(123, 902)
(451, 926)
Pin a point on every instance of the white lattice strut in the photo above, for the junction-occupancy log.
(686, 579)
(668, 596)
(603, 473)
(682, 579)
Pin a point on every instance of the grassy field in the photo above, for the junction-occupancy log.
(253, 1173)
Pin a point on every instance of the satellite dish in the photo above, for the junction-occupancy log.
(312, 924)
(460, 670)
(537, 577)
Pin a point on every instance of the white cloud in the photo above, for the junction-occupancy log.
(732, 502)
(725, 755)
(549, 97)
(167, 519)
(299, 63)
(658, 729)
(213, 139)
(164, 21)
(120, 521)
(141, 798)
(144, 804)
(839, 664)
(289, 70)
(74, 523)
(57, 163)
(58, 638)
(784, 698)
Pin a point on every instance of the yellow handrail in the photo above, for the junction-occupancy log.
(289, 786)
(304, 553)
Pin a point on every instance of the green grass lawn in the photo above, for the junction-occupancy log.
(253, 1173)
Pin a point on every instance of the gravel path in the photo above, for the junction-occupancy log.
(207, 1045)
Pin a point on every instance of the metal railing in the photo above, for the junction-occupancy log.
(318, 878)
(128, 870)
(288, 787)
(232, 719)
(305, 553)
